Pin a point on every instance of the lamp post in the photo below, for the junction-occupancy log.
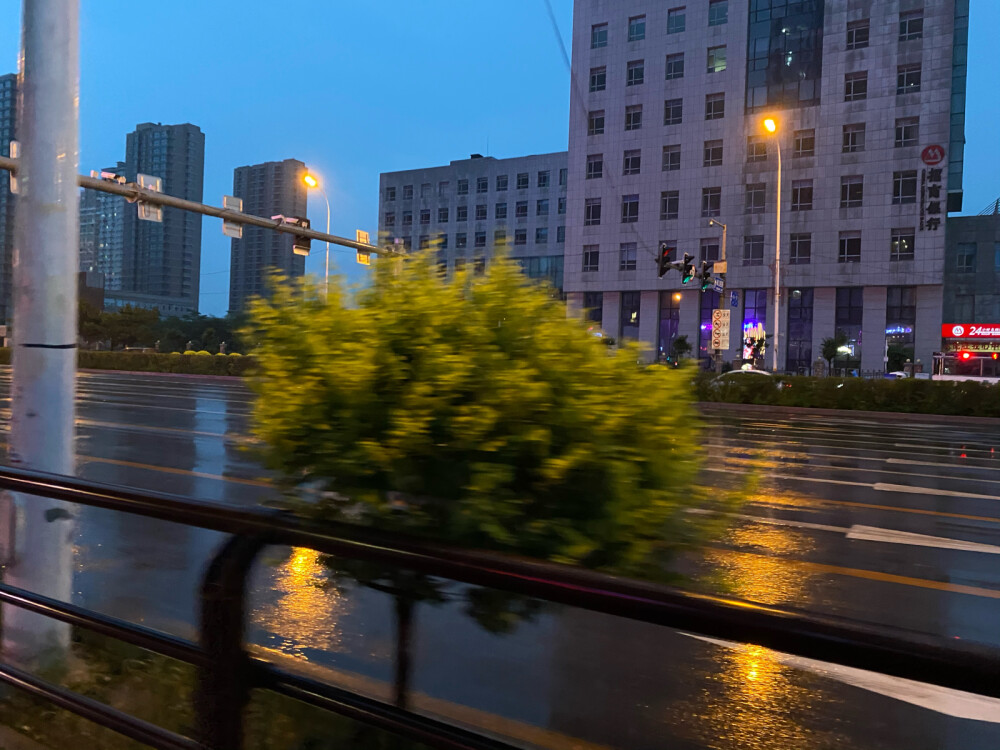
(771, 125)
(720, 268)
(312, 182)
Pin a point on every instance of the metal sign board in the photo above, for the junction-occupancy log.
(970, 331)
(147, 211)
(230, 228)
(363, 237)
(734, 299)
(364, 258)
(720, 329)
(15, 152)
(718, 284)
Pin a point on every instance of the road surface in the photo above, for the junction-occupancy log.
(872, 519)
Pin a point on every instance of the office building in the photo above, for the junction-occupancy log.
(472, 205)
(161, 262)
(666, 134)
(269, 189)
(102, 225)
(8, 123)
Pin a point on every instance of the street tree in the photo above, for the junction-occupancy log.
(830, 348)
(471, 410)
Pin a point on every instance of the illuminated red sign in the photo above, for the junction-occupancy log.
(933, 155)
(970, 331)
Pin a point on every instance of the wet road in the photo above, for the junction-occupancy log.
(880, 521)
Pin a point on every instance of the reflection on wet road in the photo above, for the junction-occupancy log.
(882, 522)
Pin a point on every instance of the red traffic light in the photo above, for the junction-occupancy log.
(964, 356)
(995, 355)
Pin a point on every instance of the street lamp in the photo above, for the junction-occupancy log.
(312, 182)
(771, 126)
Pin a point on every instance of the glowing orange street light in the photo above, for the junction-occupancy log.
(313, 182)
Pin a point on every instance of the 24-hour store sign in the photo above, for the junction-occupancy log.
(970, 331)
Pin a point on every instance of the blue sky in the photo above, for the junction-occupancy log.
(354, 89)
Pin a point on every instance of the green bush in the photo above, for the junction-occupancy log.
(189, 363)
(956, 398)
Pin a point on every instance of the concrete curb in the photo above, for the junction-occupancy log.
(189, 375)
(802, 411)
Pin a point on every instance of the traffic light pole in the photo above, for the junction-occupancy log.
(717, 354)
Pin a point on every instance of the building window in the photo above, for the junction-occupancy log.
(561, 205)
(636, 28)
(462, 213)
(461, 241)
(595, 122)
(911, 25)
(443, 215)
(444, 187)
(501, 183)
(908, 79)
(805, 143)
(501, 211)
(592, 212)
(755, 198)
(673, 111)
(801, 253)
(542, 236)
(633, 162)
(442, 240)
(800, 330)
(670, 322)
(593, 306)
(675, 66)
(854, 138)
(902, 244)
(424, 242)
(595, 166)
(671, 158)
(407, 192)
(965, 257)
(753, 250)
(635, 73)
(756, 148)
(520, 236)
(542, 207)
(717, 59)
(561, 235)
(480, 239)
(563, 177)
(858, 33)
(849, 319)
(856, 86)
(598, 35)
(390, 219)
(630, 316)
(676, 20)
(463, 187)
(482, 185)
(900, 320)
(633, 117)
(907, 131)
(850, 247)
(627, 254)
(598, 79)
(522, 181)
(904, 187)
(718, 12)
(591, 258)
(708, 249)
(390, 193)
(544, 178)
(407, 218)
(521, 210)
(754, 318)
(481, 212)
(852, 191)
(630, 209)
(669, 204)
(499, 238)
(711, 202)
(715, 106)
(713, 154)
(802, 195)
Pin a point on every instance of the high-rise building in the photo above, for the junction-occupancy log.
(161, 262)
(89, 221)
(110, 234)
(667, 136)
(269, 189)
(8, 122)
(472, 205)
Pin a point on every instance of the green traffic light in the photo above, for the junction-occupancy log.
(687, 277)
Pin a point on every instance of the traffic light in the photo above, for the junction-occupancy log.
(965, 356)
(686, 267)
(663, 260)
(301, 245)
(705, 276)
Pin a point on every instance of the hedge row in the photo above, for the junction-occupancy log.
(188, 364)
(956, 398)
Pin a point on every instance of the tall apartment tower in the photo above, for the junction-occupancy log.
(269, 189)
(8, 122)
(161, 262)
(471, 206)
(110, 235)
(666, 134)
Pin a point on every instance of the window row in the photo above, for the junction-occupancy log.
(797, 252)
(908, 79)
(718, 14)
(523, 180)
(911, 26)
(500, 237)
(635, 70)
(481, 213)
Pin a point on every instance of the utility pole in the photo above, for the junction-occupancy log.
(721, 268)
(46, 245)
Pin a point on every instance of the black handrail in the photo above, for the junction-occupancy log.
(228, 673)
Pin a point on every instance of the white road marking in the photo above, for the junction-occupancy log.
(891, 536)
(911, 462)
(955, 703)
(882, 487)
(777, 521)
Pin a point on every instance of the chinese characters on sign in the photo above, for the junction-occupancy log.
(930, 199)
(970, 331)
(972, 346)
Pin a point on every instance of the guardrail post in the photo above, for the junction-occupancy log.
(225, 682)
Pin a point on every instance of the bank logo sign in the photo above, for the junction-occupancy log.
(970, 331)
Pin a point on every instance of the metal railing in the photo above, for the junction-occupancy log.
(227, 672)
